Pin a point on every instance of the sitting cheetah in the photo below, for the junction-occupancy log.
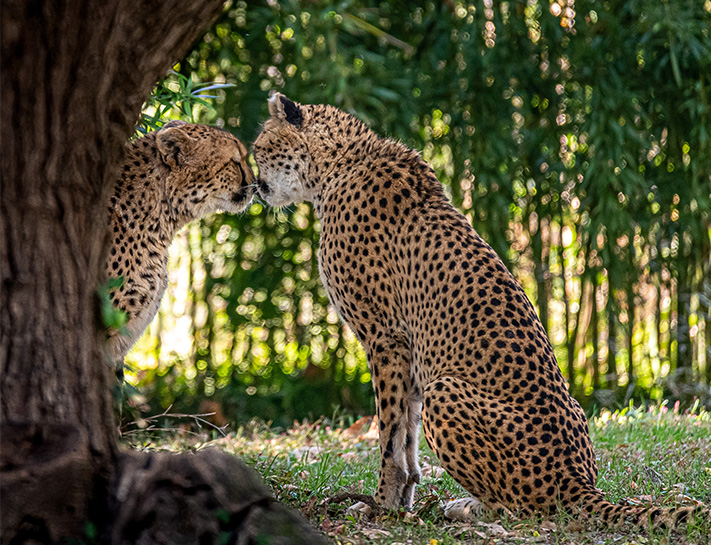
(170, 177)
(449, 334)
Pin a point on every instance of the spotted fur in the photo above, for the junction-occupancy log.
(170, 177)
(449, 334)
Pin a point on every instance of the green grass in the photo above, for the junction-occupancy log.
(656, 455)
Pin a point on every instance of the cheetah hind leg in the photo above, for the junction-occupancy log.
(451, 419)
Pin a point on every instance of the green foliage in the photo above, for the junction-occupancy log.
(176, 94)
(575, 139)
(111, 317)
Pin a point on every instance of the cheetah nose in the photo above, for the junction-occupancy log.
(244, 194)
(262, 187)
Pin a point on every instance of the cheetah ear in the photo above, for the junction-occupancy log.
(174, 123)
(284, 109)
(174, 143)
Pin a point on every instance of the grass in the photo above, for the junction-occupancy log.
(658, 455)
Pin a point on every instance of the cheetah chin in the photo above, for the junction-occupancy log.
(450, 336)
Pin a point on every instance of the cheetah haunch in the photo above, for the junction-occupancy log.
(169, 178)
(447, 330)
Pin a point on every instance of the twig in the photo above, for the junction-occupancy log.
(198, 418)
(379, 33)
(340, 498)
(151, 429)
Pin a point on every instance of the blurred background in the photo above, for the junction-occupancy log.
(575, 135)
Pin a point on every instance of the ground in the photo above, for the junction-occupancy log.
(659, 454)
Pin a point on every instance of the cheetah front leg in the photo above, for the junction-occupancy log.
(398, 409)
(412, 446)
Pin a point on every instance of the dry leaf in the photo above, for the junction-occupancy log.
(433, 471)
(373, 432)
(411, 518)
(375, 533)
(349, 456)
(308, 510)
(312, 454)
(360, 426)
(493, 529)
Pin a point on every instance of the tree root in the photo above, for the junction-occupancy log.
(51, 488)
(195, 498)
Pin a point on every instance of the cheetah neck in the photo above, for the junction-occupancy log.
(140, 203)
(357, 162)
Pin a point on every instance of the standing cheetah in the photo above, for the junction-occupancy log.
(170, 177)
(449, 334)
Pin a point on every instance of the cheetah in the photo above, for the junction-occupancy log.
(170, 177)
(451, 339)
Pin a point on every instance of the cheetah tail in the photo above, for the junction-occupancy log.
(595, 506)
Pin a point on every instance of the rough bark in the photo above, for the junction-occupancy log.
(160, 498)
(33, 457)
(74, 75)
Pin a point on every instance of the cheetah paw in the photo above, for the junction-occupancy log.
(464, 509)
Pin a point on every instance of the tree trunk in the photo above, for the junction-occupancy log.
(74, 74)
(611, 376)
(569, 341)
(631, 308)
(541, 250)
(658, 319)
(594, 358)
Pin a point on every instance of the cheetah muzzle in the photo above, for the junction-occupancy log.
(450, 336)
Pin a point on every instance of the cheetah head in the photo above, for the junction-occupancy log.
(282, 154)
(208, 169)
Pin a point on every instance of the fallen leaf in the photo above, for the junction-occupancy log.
(308, 510)
(493, 528)
(310, 454)
(411, 518)
(349, 456)
(373, 432)
(549, 526)
(360, 426)
(374, 533)
(433, 471)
